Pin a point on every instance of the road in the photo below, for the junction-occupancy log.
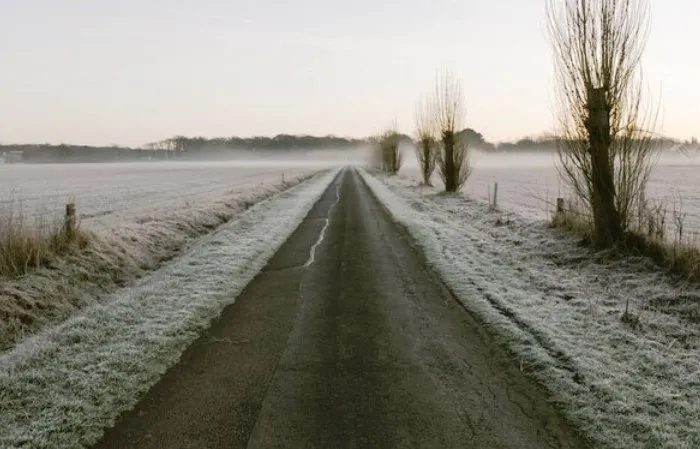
(345, 340)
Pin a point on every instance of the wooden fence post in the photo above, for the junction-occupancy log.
(495, 195)
(70, 221)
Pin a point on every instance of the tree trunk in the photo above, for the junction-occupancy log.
(448, 138)
(427, 160)
(606, 217)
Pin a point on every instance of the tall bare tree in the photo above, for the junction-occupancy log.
(426, 149)
(605, 151)
(453, 155)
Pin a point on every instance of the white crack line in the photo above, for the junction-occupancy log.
(322, 235)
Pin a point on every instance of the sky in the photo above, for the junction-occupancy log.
(133, 71)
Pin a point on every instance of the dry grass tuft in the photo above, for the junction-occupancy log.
(26, 245)
(647, 237)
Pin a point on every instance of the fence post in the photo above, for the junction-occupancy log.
(70, 221)
(495, 195)
(560, 205)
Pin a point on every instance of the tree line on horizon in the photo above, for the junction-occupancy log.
(180, 147)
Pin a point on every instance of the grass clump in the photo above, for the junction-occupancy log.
(647, 236)
(28, 244)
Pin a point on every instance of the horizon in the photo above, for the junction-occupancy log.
(127, 73)
(534, 137)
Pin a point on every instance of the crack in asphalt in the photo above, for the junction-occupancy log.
(322, 234)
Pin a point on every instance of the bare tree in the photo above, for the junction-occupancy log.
(426, 149)
(389, 148)
(605, 151)
(453, 154)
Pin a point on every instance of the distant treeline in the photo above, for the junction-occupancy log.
(280, 142)
(46, 153)
(179, 147)
(284, 142)
(193, 148)
(550, 144)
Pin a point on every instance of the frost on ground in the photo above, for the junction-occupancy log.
(117, 194)
(529, 184)
(60, 388)
(558, 308)
(136, 239)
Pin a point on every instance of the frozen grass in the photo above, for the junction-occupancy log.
(680, 256)
(60, 388)
(558, 307)
(119, 254)
(26, 245)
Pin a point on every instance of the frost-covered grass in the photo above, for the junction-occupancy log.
(123, 252)
(631, 383)
(679, 255)
(29, 244)
(60, 388)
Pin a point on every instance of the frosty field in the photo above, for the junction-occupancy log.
(142, 216)
(529, 184)
(108, 195)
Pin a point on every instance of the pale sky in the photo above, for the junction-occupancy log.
(133, 71)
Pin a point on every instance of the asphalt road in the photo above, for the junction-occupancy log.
(359, 347)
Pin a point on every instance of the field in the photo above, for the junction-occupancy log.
(529, 184)
(110, 195)
(141, 215)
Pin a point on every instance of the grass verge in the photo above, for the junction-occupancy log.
(557, 309)
(680, 257)
(70, 277)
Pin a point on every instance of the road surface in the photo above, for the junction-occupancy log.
(344, 340)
